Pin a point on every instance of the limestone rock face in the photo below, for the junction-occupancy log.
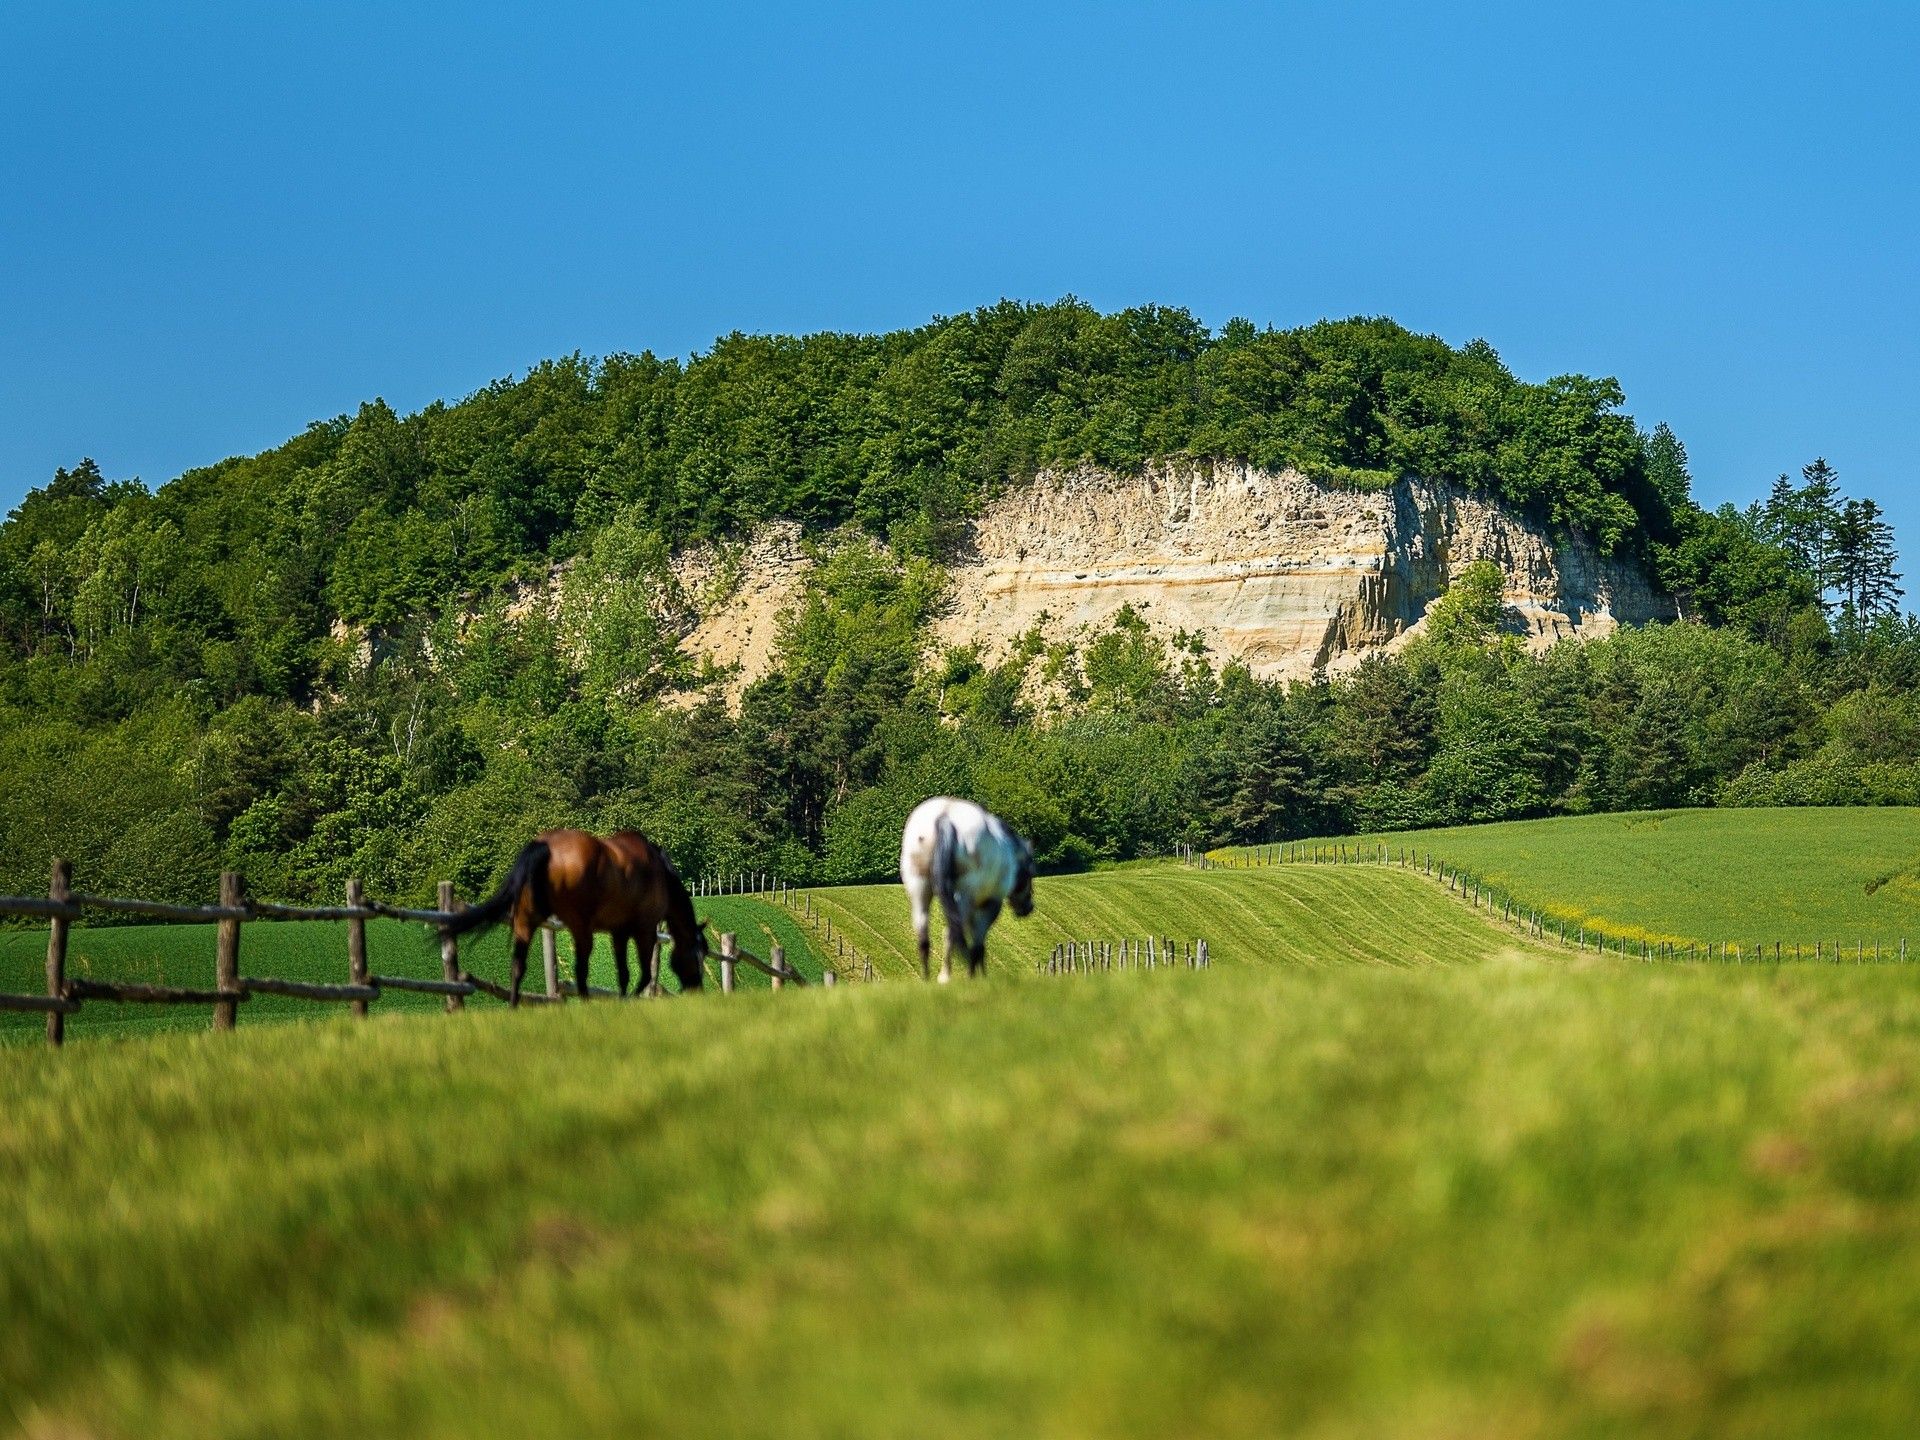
(1276, 570)
(738, 596)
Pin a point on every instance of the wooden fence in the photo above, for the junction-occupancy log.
(1529, 920)
(1075, 957)
(66, 996)
(848, 958)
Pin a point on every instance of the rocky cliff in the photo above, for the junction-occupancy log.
(1276, 570)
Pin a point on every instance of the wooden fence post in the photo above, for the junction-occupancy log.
(550, 959)
(777, 957)
(729, 947)
(829, 977)
(449, 948)
(59, 888)
(226, 954)
(652, 986)
(356, 945)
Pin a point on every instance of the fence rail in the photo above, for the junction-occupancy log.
(770, 888)
(68, 995)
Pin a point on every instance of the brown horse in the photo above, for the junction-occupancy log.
(623, 885)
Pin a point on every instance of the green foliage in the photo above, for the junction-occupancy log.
(1468, 615)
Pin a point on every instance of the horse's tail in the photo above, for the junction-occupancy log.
(945, 843)
(529, 869)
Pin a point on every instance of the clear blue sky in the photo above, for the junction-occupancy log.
(219, 223)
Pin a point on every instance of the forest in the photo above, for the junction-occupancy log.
(319, 661)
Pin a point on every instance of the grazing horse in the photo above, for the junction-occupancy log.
(624, 885)
(972, 862)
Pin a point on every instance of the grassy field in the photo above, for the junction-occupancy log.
(1514, 1199)
(1280, 916)
(316, 951)
(1265, 917)
(1797, 875)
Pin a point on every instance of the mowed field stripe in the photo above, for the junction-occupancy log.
(1312, 917)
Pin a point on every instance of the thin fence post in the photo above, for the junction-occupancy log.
(550, 959)
(652, 987)
(450, 948)
(729, 947)
(59, 889)
(777, 958)
(226, 953)
(357, 944)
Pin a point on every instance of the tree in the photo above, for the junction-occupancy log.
(1468, 615)
(1817, 512)
(1666, 466)
(1862, 563)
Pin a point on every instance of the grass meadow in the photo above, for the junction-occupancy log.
(1514, 1199)
(1385, 1169)
(1281, 916)
(1746, 876)
(1261, 918)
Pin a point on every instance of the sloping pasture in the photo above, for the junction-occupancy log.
(1745, 876)
(1314, 917)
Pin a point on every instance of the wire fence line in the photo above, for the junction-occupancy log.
(1152, 952)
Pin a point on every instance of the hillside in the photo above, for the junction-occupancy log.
(1753, 876)
(1132, 582)
(1513, 1200)
(1265, 918)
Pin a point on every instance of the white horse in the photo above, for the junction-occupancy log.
(972, 863)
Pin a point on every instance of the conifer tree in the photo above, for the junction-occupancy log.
(1862, 563)
(1818, 506)
(1666, 463)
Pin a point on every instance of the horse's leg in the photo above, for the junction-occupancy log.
(621, 974)
(955, 939)
(520, 946)
(582, 948)
(920, 901)
(978, 924)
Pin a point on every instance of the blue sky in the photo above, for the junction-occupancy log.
(219, 223)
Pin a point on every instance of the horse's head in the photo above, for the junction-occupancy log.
(1021, 896)
(689, 959)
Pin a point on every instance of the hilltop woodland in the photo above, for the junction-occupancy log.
(308, 664)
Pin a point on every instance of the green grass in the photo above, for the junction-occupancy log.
(1515, 1199)
(315, 951)
(1263, 917)
(1792, 875)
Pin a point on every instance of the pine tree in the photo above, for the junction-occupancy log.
(1862, 565)
(1818, 514)
(1781, 521)
(1666, 464)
